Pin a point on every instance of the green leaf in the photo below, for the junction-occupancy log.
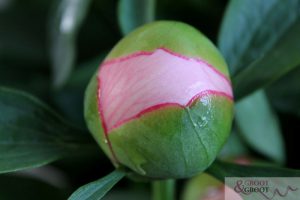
(31, 134)
(220, 170)
(270, 67)
(285, 93)
(259, 126)
(65, 23)
(97, 189)
(134, 13)
(257, 45)
(128, 194)
(14, 187)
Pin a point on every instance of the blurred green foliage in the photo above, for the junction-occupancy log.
(36, 54)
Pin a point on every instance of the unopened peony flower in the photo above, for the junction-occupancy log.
(206, 187)
(161, 102)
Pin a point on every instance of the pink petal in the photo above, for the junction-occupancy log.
(145, 81)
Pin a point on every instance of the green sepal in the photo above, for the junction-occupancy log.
(171, 142)
(175, 36)
(92, 116)
(174, 142)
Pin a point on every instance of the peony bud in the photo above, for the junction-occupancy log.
(206, 187)
(161, 103)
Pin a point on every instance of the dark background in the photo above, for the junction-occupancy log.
(25, 65)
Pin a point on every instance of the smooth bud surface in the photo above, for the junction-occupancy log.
(161, 102)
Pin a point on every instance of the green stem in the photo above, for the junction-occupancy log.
(163, 190)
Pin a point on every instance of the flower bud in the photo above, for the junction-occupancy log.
(161, 102)
(206, 187)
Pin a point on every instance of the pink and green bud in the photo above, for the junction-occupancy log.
(161, 102)
(206, 187)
